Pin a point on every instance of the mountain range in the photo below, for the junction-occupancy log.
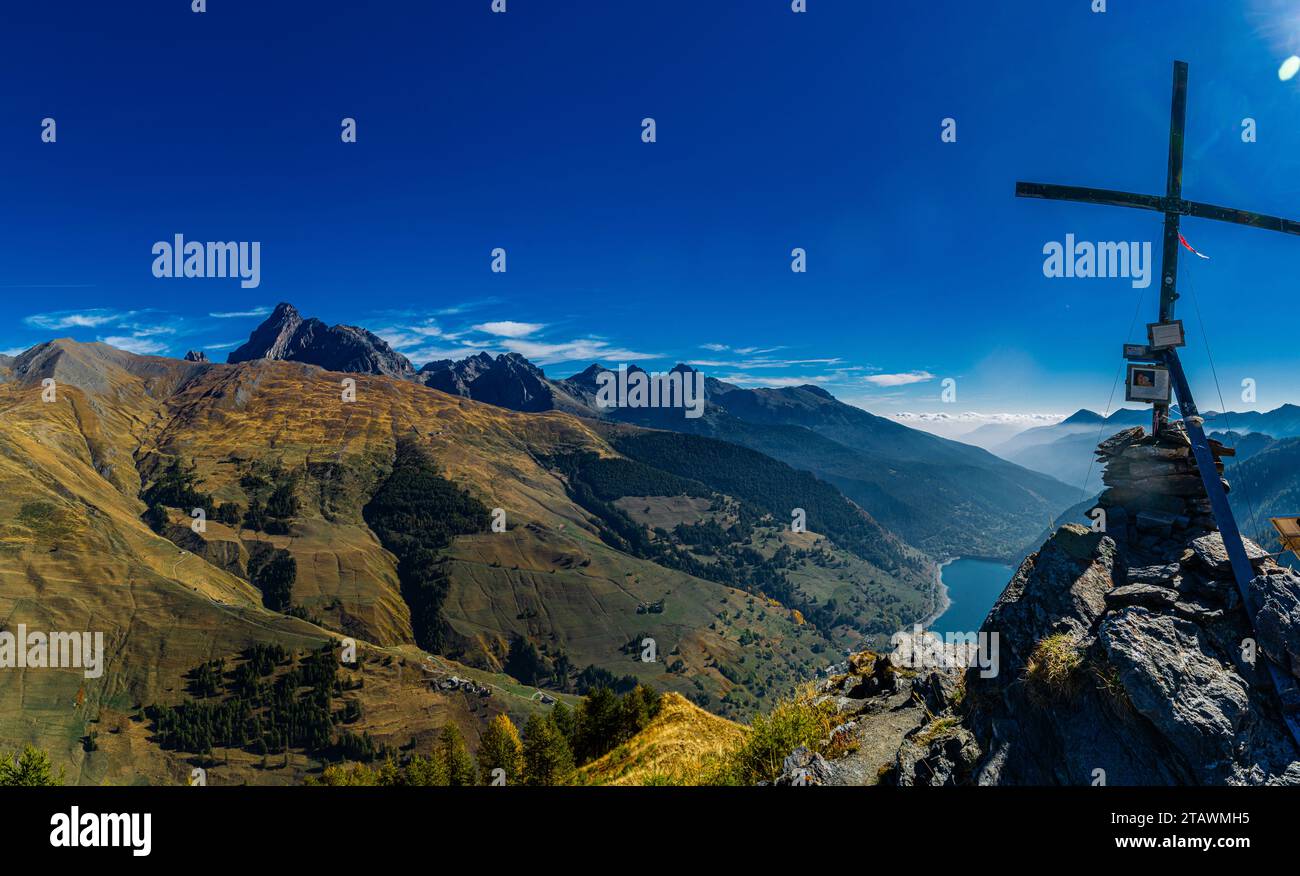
(199, 514)
(944, 497)
(1065, 449)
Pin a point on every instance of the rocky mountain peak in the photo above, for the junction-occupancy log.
(196, 356)
(1124, 657)
(285, 335)
(508, 381)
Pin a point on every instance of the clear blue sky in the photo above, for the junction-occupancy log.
(775, 131)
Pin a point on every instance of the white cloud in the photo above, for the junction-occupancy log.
(65, 319)
(977, 418)
(225, 346)
(581, 350)
(411, 336)
(903, 379)
(238, 314)
(134, 344)
(509, 328)
(715, 348)
(149, 331)
(431, 354)
(775, 382)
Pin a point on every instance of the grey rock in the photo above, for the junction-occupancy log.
(1277, 622)
(937, 689)
(1149, 595)
(1062, 588)
(1213, 555)
(286, 336)
(1162, 575)
(937, 755)
(804, 767)
(1166, 669)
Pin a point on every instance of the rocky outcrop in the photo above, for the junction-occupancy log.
(196, 356)
(285, 335)
(508, 381)
(1126, 657)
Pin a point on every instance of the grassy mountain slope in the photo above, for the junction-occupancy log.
(674, 748)
(76, 553)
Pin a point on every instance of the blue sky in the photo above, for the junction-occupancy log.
(775, 130)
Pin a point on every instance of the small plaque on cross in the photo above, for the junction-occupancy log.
(1139, 352)
(1165, 335)
(1147, 383)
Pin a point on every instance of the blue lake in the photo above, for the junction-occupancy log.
(973, 587)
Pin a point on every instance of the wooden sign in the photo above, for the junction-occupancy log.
(1164, 335)
(1147, 383)
(1288, 531)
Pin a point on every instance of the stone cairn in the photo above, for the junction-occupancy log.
(1154, 485)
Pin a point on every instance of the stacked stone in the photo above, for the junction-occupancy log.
(1153, 484)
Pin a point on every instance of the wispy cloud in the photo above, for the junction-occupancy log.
(135, 344)
(422, 355)
(509, 328)
(1032, 419)
(226, 346)
(903, 379)
(580, 350)
(407, 337)
(65, 319)
(241, 314)
(743, 351)
(774, 382)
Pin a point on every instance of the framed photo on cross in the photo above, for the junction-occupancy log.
(1147, 383)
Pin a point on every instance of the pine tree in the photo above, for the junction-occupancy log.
(31, 768)
(500, 748)
(425, 772)
(455, 756)
(547, 758)
(596, 725)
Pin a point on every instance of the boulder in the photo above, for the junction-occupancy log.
(1213, 555)
(1150, 595)
(804, 767)
(1277, 622)
(1166, 668)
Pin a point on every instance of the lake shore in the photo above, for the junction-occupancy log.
(938, 595)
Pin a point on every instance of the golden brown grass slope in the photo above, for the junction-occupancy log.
(75, 554)
(681, 745)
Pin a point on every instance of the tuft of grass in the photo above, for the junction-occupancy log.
(935, 729)
(1106, 677)
(1052, 667)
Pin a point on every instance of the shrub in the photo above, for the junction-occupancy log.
(790, 724)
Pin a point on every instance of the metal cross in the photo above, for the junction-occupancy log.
(1175, 207)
